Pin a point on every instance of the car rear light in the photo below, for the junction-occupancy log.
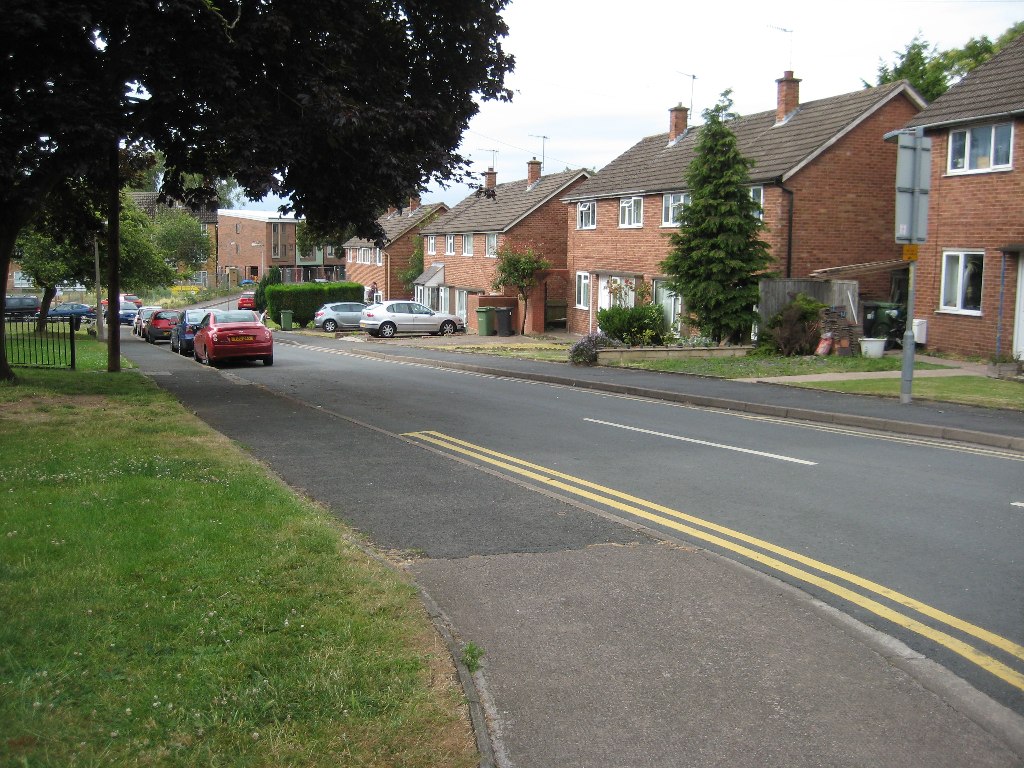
(318, 314)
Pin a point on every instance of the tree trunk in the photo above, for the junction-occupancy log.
(8, 235)
(114, 260)
(44, 306)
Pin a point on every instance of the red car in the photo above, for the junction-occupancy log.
(232, 334)
(247, 300)
(159, 326)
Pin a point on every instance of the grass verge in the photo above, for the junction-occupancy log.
(167, 603)
(968, 390)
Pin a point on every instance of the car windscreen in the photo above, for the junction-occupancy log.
(238, 316)
(166, 316)
(194, 315)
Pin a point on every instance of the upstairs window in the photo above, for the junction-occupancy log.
(631, 212)
(586, 215)
(961, 282)
(467, 245)
(449, 245)
(492, 246)
(672, 208)
(431, 245)
(981, 148)
(757, 195)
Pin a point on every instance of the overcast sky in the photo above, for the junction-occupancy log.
(595, 78)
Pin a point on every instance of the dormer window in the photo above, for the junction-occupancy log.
(981, 148)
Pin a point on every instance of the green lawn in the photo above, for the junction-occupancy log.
(167, 603)
(967, 390)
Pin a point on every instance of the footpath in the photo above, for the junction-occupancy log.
(627, 650)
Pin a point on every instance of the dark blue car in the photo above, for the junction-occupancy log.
(184, 332)
(126, 314)
(72, 309)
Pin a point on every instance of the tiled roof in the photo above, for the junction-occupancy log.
(150, 203)
(653, 166)
(398, 223)
(511, 202)
(995, 88)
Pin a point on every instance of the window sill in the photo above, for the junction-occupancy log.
(978, 171)
(959, 312)
(631, 226)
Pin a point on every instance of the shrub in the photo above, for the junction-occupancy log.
(639, 326)
(796, 329)
(584, 351)
(304, 299)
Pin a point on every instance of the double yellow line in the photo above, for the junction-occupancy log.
(714, 533)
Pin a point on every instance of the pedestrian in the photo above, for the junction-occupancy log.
(371, 295)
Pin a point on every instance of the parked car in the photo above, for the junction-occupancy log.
(72, 309)
(126, 315)
(160, 324)
(391, 317)
(247, 281)
(139, 326)
(232, 334)
(126, 298)
(247, 300)
(21, 306)
(185, 330)
(345, 314)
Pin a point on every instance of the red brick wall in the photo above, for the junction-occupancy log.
(235, 248)
(972, 212)
(843, 214)
(396, 259)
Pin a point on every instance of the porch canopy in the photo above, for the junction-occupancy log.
(432, 277)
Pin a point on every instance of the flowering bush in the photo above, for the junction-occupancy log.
(584, 351)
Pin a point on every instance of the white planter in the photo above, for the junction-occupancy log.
(872, 347)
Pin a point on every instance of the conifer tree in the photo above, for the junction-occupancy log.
(717, 256)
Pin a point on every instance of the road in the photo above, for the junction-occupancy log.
(918, 539)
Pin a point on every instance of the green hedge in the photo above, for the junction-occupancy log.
(304, 299)
(642, 325)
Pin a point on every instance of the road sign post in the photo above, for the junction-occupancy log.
(913, 181)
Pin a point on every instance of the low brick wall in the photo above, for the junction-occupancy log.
(632, 354)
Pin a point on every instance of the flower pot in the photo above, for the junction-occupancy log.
(872, 347)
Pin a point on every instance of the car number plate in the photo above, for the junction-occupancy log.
(241, 338)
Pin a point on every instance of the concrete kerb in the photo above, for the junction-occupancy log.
(761, 409)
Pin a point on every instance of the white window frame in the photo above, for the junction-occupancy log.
(954, 268)
(449, 245)
(467, 245)
(431, 244)
(443, 298)
(365, 256)
(586, 214)
(958, 163)
(380, 257)
(583, 290)
(491, 249)
(462, 303)
(671, 205)
(757, 195)
(631, 212)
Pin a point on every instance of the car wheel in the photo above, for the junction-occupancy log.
(330, 326)
(387, 330)
(447, 328)
(198, 359)
(268, 360)
(149, 338)
(174, 347)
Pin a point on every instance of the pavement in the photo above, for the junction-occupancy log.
(624, 648)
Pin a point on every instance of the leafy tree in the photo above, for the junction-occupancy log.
(921, 65)
(271, 277)
(517, 267)
(380, 93)
(181, 240)
(931, 71)
(717, 256)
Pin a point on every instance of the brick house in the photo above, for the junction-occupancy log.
(367, 264)
(822, 174)
(207, 217)
(970, 268)
(461, 247)
(251, 242)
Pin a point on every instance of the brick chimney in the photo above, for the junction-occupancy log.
(490, 178)
(677, 122)
(532, 171)
(789, 97)
(414, 203)
(391, 211)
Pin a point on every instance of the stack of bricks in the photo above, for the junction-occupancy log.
(843, 333)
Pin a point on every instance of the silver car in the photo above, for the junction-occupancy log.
(403, 316)
(343, 314)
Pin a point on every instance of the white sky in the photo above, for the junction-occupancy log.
(596, 77)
